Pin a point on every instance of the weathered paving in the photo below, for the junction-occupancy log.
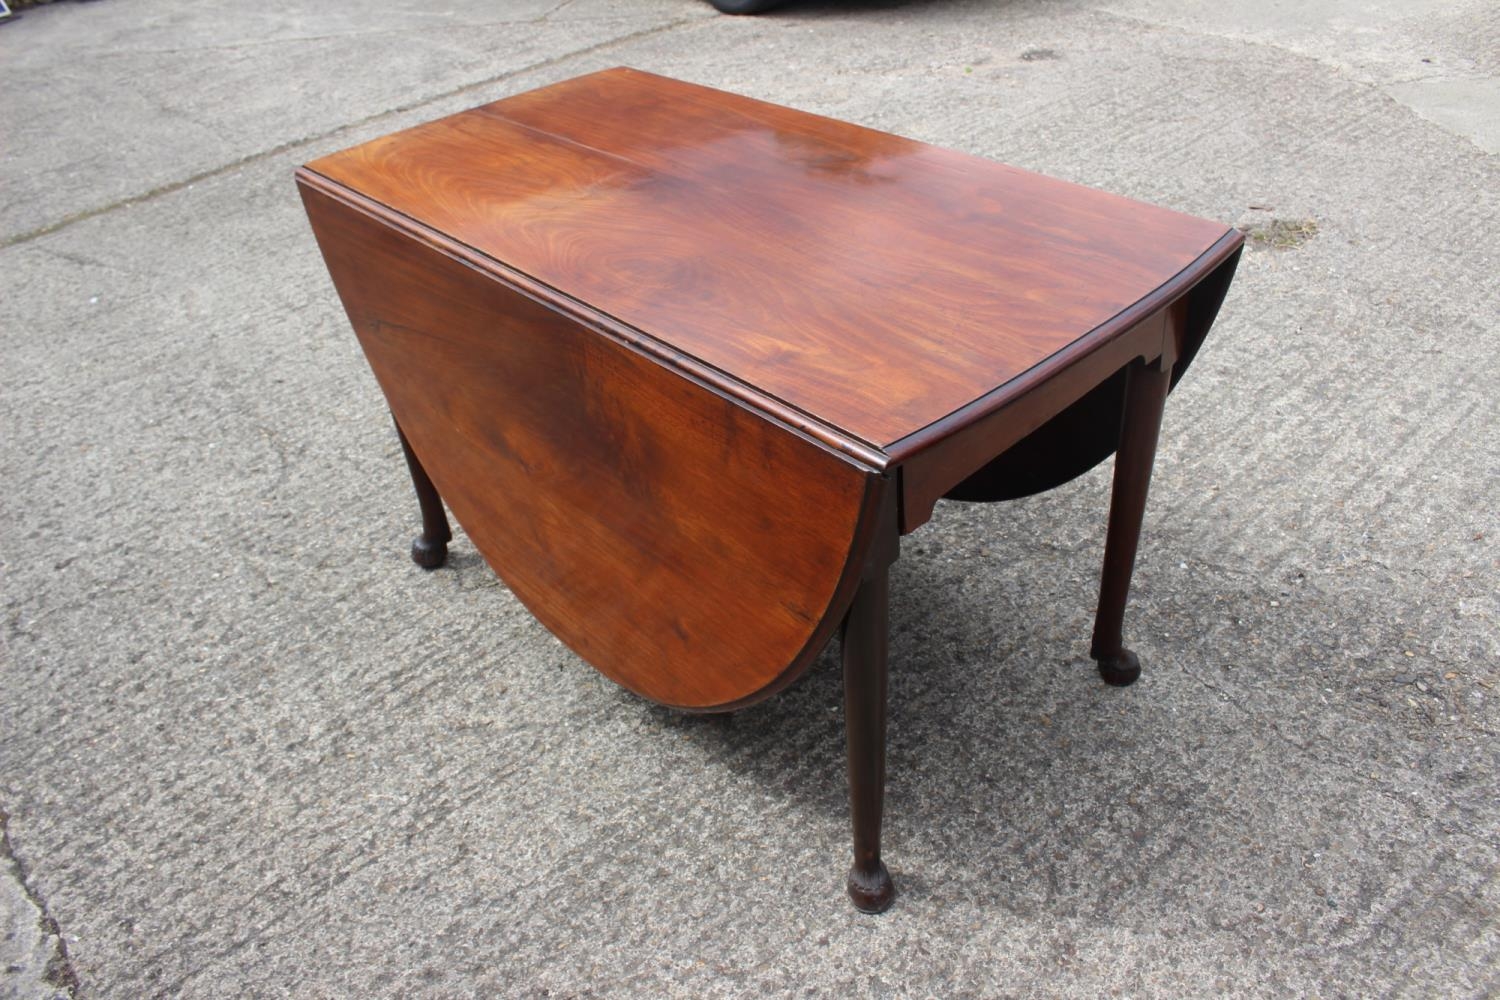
(247, 749)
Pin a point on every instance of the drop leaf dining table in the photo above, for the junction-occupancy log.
(686, 366)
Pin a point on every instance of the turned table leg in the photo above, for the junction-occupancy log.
(429, 550)
(865, 677)
(1146, 385)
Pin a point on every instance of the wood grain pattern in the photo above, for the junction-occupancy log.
(689, 548)
(934, 471)
(1062, 417)
(875, 283)
(686, 365)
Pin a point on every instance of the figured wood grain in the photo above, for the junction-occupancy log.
(685, 366)
(1062, 417)
(875, 283)
(933, 472)
(686, 546)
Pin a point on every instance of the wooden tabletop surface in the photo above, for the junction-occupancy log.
(875, 283)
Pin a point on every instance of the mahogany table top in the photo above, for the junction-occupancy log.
(685, 366)
(871, 285)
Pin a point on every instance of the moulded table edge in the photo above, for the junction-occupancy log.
(711, 378)
(1167, 292)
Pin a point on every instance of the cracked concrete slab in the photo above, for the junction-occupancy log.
(154, 95)
(1466, 107)
(247, 749)
(1440, 59)
(33, 956)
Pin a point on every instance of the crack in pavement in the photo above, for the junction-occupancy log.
(277, 150)
(334, 36)
(58, 972)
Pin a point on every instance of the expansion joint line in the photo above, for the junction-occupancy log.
(178, 185)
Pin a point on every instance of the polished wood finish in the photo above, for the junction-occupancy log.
(429, 550)
(685, 546)
(876, 283)
(1063, 417)
(950, 463)
(1145, 395)
(685, 365)
(866, 673)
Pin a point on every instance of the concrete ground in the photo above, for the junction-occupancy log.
(247, 749)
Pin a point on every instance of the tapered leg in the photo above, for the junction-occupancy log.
(1146, 387)
(429, 550)
(865, 676)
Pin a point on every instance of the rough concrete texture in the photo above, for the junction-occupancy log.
(33, 959)
(247, 749)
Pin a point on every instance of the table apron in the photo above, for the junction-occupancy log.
(928, 475)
